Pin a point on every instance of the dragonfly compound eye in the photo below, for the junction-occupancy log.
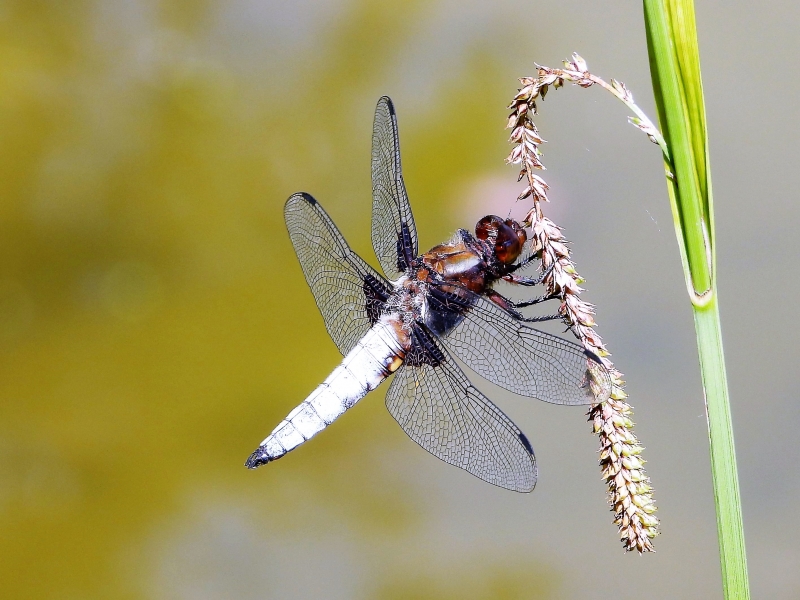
(508, 244)
(518, 229)
(508, 237)
(486, 228)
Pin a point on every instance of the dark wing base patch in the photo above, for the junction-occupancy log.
(424, 349)
(376, 294)
(405, 247)
(445, 310)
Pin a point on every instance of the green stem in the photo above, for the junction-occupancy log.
(723, 456)
(681, 124)
(678, 91)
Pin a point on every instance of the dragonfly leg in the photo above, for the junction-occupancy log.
(538, 319)
(542, 298)
(523, 262)
(505, 303)
(511, 307)
(529, 281)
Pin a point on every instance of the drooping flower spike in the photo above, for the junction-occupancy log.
(629, 492)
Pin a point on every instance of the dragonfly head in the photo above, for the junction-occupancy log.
(507, 237)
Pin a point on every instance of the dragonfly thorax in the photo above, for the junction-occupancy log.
(462, 260)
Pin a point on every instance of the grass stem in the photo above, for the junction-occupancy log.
(678, 90)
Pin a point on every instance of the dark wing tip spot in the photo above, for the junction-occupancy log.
(308, 198)
(256, 459)
(526, 443)
(389, 104)
(594, 357)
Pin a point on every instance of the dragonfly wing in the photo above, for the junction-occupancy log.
(349, 293)
(518, 357)
(394, 235)
(438, 407)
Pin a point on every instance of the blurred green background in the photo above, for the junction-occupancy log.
(155, 325)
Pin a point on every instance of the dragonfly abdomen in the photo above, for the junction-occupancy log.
(375, 356)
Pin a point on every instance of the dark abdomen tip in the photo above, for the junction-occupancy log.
(257, 458)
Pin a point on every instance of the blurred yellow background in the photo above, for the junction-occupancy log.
(155, 324)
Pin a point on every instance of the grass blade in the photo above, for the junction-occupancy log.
(677, 85)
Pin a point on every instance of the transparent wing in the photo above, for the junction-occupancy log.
(518, 357)
(349, 293)
(394, 235)
(443, 412)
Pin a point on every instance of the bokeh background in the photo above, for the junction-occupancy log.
(155, 325)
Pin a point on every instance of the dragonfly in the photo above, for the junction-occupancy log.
(419, 316)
